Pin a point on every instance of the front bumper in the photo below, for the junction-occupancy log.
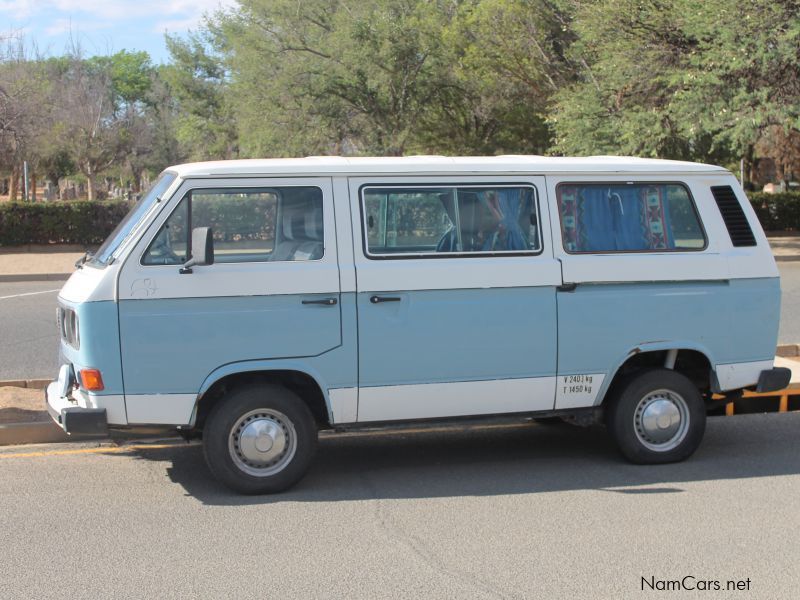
(71, 417)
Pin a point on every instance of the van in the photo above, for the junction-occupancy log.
(253, 303)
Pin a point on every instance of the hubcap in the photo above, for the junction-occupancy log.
(262, 442)
(661, 420)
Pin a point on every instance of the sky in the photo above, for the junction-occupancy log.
(103, 26)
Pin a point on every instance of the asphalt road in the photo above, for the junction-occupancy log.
(28, 331)
(790, 303)
(29, 340)
(526, 512)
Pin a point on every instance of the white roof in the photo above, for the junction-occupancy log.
(332, 165)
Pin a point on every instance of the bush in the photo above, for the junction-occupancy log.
(777, 212)
(79, 222)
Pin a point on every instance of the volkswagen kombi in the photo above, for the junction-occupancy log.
(256, 302)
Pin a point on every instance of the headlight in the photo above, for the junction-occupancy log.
(68, 325)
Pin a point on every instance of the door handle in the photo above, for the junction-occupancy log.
(322, 301)
(379, 299)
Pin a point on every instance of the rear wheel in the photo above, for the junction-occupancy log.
(657, 416)
(260, 439)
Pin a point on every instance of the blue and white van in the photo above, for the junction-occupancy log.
(254, 303)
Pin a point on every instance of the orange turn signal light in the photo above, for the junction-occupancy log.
(91, 380)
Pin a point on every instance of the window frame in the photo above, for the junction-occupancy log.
(278, 217)
(444, 255)
(557, 206)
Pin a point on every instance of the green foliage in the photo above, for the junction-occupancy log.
(55, 163)
(81, 222)
(388, 77)
(129, 74)
(504, 60)
(322, 76)
(205, 126)
(679, 78)
(713, 81)
(777, 212)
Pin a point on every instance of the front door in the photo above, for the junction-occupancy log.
(456, 286)
(272, 292)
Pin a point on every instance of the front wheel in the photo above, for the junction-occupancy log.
(656, 417)
(260, 439)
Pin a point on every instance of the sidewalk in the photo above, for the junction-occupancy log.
(56, 263)
(785, 247)
(38, 263)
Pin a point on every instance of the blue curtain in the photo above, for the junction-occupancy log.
(613, 218)
(515, 208)
(626, 208)
(596, 222)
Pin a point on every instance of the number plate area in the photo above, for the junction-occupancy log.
(577, 391)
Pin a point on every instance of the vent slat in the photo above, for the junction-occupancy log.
(735, 220)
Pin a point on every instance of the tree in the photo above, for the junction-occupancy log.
(56, 164)
(331, 76)
(624, 102)
(96, 135)
(783, 148)
(23, 109)
(506, 58)
(196, 79)
(162, 115)
(102, 104)
(680, 79)
(748, 80)
(392, 76)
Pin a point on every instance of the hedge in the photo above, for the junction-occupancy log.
(78, 222)
(89, 223)
(777, 212)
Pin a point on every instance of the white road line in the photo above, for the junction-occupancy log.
(29, 294)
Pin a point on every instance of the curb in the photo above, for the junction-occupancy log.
(27, 277)
(32, 384)
(789, 258)
(788, 350)
(43, 432)
(34, 432)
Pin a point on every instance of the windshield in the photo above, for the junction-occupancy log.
(132, 220)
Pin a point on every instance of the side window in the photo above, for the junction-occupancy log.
(441, 220)
(248, 225)
(632, 217)
(169, 246)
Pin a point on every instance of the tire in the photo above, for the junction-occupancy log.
(657, 416)
(259, 439)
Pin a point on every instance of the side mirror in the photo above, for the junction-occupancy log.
(202, 249)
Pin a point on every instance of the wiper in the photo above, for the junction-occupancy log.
(86, 256)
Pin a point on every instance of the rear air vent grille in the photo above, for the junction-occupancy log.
(733, 215)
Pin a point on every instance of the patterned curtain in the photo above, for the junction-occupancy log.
(597, 218)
